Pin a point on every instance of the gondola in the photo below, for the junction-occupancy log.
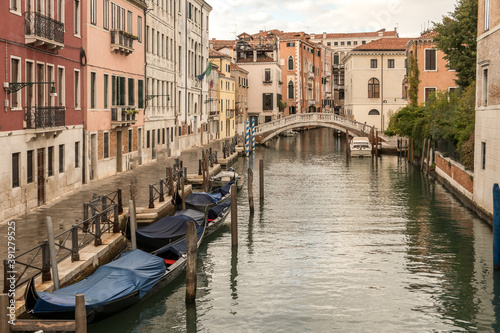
(134, 277)
(167, 229)
(224, 177)
(202, 201)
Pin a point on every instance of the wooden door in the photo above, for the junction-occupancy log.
(40, 167)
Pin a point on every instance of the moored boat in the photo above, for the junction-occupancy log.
(224, 177)
(360, 147)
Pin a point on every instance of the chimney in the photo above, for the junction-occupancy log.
(324, 35)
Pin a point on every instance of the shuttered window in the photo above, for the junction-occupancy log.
(430, 60)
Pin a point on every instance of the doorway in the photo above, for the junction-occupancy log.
(119, 152)
(40, 167)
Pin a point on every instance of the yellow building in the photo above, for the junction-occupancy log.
(225, 95)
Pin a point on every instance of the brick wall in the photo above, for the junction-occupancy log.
(456, 172)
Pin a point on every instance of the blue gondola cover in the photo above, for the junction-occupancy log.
(196, 215)
(216, 211)
(165, 228)
(133, 271)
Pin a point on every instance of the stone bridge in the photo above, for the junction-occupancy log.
(267, 131)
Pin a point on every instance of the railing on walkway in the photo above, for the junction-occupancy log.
(36, 260)
(211, 156)
(168, 184)
(229, 147)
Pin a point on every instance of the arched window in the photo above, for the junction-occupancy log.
(290, 90)
(290, 63)
(373, 88)
(374, 112)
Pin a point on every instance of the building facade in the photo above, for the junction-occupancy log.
(240, 97)
(341, 44)
(41, 125)
(113, 40)
(260, 58)
(374, 74)
(487, 132)
(226, 88)
(434, 75)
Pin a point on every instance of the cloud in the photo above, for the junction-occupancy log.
(230, 18)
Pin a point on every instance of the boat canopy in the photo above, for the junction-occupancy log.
(194, 214)
(165, 228)
(133, 271)
(216, 211)
(179, 247)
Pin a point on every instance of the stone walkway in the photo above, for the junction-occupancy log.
(31, 230)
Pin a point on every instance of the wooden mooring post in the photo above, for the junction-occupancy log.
(182, 194)
(261, 179)
(52, 251)
(347, 150)
(192, 253)
(250, 190)
(9, 323)
(133, 224)
(234, 216)
(376, 144)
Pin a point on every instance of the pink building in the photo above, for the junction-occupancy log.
(114, 78)
(41, 123)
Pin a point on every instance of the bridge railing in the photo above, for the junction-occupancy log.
(307, 118)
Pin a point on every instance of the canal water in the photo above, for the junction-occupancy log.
(335, 246)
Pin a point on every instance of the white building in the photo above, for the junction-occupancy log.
(487, 133)
(374, 73)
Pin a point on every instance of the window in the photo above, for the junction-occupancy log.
(131, 91)
(373, 63)
(60, 10)
(50, 78)
(430, 60)
(61, 86)
(147, 38)
(290, 63)
(267, 75)
(355, 42)
(429, 92)
(77, 89)
(129, 22)
(40, 77)
(61, 158)
(483, 155)
(92, 90)
(77, 17)
(77, 154)
(158, 135)
(117, 17)
(290, 90)
(106, 145)
(349, 43)
(140, 94)
(106, 90)
(50, 158)
(373, 88)
(363, 42)
(129, 140)
(267, 101)
(390, 63)
(336, 43)
(374, 112)
(487, 7)
(105, 14)
(15, 170)
(485, 87)
(139, 29)
(342, 43)
(29, 166)
(290, 44)
(328, 43)
(336, 59)
(93, 12)
(148, 143)
(453, 90)
(15, 74)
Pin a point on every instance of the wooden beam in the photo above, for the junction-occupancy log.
(32, 325)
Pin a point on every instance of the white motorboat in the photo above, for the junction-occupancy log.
(289, 133)
(361, 147)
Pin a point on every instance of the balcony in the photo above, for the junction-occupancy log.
(214, 115)
(43, 30)
(122, 41)
(44, 117)
(230, 113)
(122, 117)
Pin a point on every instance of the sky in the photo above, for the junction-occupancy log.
(230, 18)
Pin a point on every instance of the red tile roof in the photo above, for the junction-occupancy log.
(235, 67)
(216, 54)
(220, 44)
(384, 44)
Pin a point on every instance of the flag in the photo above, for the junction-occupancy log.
(206, 72)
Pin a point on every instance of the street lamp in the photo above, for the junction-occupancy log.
(11, 87)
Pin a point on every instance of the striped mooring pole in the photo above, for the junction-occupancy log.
(496, 226)
(253, 135)
(247, 138)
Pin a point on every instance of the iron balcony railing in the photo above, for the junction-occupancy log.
(121, 41)
(122, 115)
(39, 117)
(36, 24)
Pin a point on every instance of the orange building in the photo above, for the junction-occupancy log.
(434, 75)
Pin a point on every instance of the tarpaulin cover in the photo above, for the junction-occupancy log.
(196, 215)
(224, 190)
(216, 211)
(133, 271)
(203, 198)
(179, 247)
(168, 227)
